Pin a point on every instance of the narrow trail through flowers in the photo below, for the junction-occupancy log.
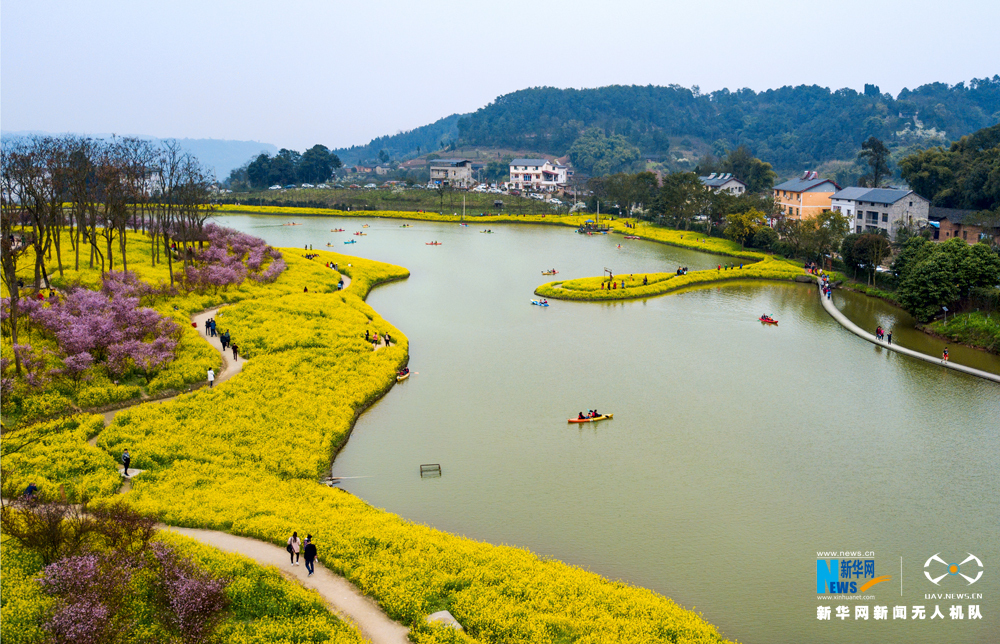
(342, 597)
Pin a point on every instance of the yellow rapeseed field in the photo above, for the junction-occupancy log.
(246, 456)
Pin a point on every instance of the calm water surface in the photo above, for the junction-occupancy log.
(736, 453)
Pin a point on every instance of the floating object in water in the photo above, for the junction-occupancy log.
(353, 241)
(768, 320)
(539, 303)
(591, 420)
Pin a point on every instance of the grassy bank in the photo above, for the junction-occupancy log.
(245, 457)
(979, 330)
(597, 289)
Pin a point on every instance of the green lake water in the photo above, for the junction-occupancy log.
(737, 451)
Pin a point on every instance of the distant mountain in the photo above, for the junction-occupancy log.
(219, 154)
(404, 145)
(793, 128)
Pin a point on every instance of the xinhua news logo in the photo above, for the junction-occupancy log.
(951, 570)
(846, 576)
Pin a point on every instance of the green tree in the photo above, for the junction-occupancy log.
(869, 250)
(876, 155)
(758, 175)
(825, 231)
(316, 164)
(793, 236)
(765, 238)
(928, 287)
(849, 255)
(681, 198)
(597, 154)
(259, 172)
(742, 225)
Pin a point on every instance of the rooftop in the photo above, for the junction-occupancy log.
(954, 215)
(537, 162)
(805, 185)
(717, 180)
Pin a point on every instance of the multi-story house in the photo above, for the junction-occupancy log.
(949, 223)
(455, 173)
(723, 183)
(804, 197)
(875, 209)
(538, 175)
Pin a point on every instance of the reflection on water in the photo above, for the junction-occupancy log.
(737, 450)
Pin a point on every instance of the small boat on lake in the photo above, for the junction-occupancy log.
(364, 225)
(552, 272)
(766, 319)
(353, 241)
(463, 224)
(360, 234)
(407, 226)
(593, 419)
(540, 302)
(336, 230)
(632, 237)
(400, 377)
(433, 243)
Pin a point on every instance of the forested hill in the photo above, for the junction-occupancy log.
(418, 141)
(791, 127)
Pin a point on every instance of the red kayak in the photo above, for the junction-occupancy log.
(766, 320)
(591, 420)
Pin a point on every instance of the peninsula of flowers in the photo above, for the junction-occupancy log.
(638, 285)
(246, 457)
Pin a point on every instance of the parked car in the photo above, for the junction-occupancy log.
(275, 188)
(307, 185)
(555, 201)
(289, 186)
(370, 186)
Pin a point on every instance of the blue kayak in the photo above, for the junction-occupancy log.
(539, 303)
(353, 241)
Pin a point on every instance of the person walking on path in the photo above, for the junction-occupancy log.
(944, 356)
(224, 339)
(126, 459)
(236, 353)
(310, 553)
(889, 337)
(211, 378)
(293, 548)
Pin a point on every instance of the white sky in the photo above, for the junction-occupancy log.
(300, 72)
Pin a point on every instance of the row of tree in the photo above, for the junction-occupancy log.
(967, 175)
(88, 193)
(315, 165)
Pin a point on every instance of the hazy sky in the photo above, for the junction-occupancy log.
(300, 72)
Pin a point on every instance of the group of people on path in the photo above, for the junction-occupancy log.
(825, 287)
(681, 270)
(881, 335)
(307, 548)
(376, 340)
(726, 267)
(225, 339)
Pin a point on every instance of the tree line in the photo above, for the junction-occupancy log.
(315, 165)
(89, 193)
(966, 175)
(792, 127)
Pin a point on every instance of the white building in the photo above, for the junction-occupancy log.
(537, 175)
(723, 183)
(456, 173)
(874, 209)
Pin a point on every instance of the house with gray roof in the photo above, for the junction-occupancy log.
(723, 182)
(880, 209)
(455, 173)
(948, 223)
(804, 197)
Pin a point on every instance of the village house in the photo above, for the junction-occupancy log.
(875, 209)
(804, 197)
(538, 175)
(949, 223)
(723, 183)
(454, 173)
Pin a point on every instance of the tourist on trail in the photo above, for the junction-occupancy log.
(224, 339)
(944, 356)
(211, 378)
(719, 267)
(293, 548)
(126, 459)
(29, 492)
(236, 353)
(310, 553)
(890, 337)
(305, 289)
(645, 280)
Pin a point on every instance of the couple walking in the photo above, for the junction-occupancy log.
(308, 548)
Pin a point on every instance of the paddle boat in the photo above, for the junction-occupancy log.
(353, 241)
(552, 272)
(360, 234)
(766, 319)
(364, 225)
(407, 226)
(632, 237)
(540, 302)
(463, 224)
(336, 230)
(591, 420)
(488, 232)
(400, 377)
(433, 243)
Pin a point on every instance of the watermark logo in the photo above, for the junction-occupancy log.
(846, 576)
(952, 569)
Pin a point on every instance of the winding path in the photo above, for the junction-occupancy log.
(342, 597)
(861, 333)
